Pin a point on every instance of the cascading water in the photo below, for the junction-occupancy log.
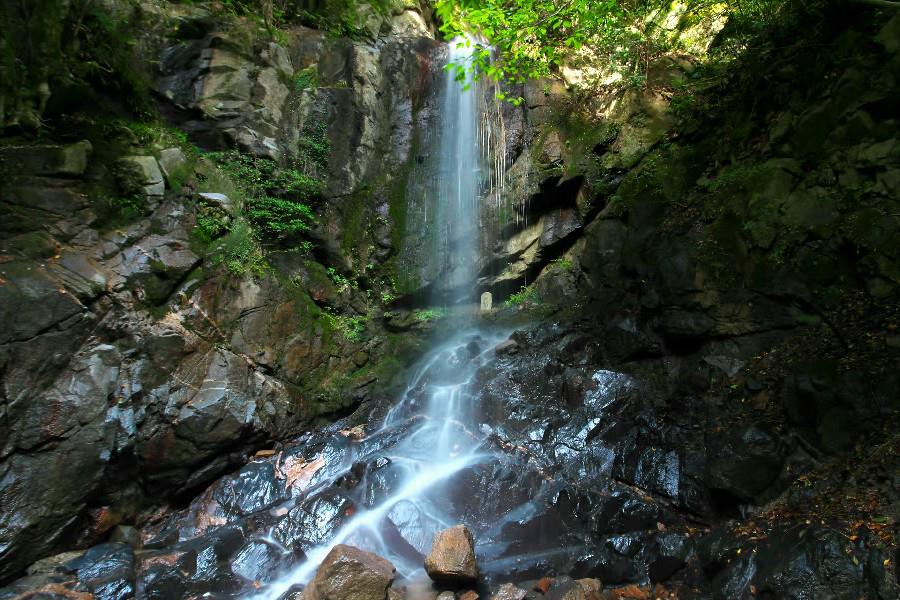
(432, 430)
(479, 437)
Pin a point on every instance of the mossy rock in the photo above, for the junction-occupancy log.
(36, 245)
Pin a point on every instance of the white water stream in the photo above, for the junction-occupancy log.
(440, 435)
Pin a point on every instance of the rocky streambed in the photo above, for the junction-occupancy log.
(694, 395)
(582, 468)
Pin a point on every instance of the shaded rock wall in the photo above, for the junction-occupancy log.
(133, 369)
(753, 247)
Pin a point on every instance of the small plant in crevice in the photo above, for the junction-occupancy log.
(148, 133)
(340, 281)
(264, 177)
(211, 226)
(278, 216)
(313, 149)
(428, 314)
(125, 202)
(239, 251)
(736, 175)
(276, 199)
(525, 295)
(562, 264)
(120, 209)
(306, 79)
(352, 328)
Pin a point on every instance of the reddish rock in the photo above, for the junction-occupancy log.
(452, 557)
(348, 573)
(543, 586)
(469, 595)
(630, 592)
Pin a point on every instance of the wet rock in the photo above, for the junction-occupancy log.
(414, 526)
(155, 265)
(125, 534)
(565, 588)
(509, 591)
(506, 348)
(628, 592)
(746, 462)
(796, 560)
(348, 573)
(195, 567)
(314, 521)
(468, 595)
(260, 562)
(252, 489)
(42, 495)
(671, 555)
(104, 572)
(452, 557)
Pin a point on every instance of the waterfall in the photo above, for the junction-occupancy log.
(432, 430)
(458, 182)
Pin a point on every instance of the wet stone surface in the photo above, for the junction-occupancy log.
(564, 467)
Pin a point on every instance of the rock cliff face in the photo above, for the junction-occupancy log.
(132, 367)
(732, 274)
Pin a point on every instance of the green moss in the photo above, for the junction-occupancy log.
(735, 177)
(35, 245)
(262, 176)
(150, 133)
(723, 252)
(354, 221)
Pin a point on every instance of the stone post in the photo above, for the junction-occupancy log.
(487, 301)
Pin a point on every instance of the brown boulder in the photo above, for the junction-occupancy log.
(452, 558)
(348, 573)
